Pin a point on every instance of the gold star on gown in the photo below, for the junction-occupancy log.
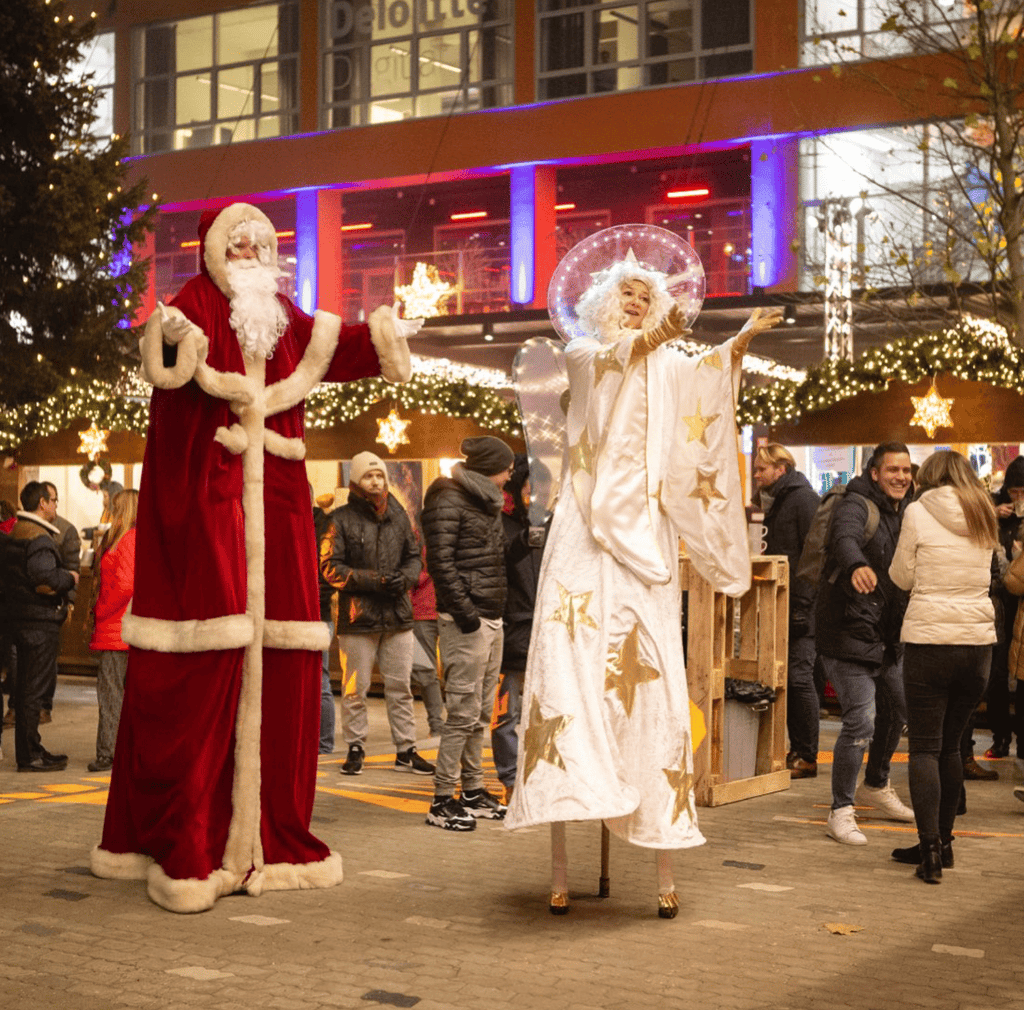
(572, 610)
(712, 360)
(539, 742)
(681, 782)
(698, 424)
(657, 497)
(606, 362)
(625, 671)
(705, 489)
(581, 455)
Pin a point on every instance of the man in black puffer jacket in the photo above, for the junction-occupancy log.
(789, 504)
(370, 555)
(36, 589)
(466, 560)
(858, 621)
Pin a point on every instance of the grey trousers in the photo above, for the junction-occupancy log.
(110, 679)
(471, 666)
(392, 651)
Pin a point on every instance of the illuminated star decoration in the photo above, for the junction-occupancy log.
(391, 431)
(705, 489)
(713, 360)
(94, 441)
(421, 298)
(625, 672)
(681, 783)
(572, 611)
(581, 455)
(698, 424)
(932, 411)
(539, 740)
(606, 362)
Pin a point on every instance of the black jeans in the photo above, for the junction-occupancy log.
(38, 648)
(943, 684)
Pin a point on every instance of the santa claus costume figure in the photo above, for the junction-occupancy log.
(213, 781)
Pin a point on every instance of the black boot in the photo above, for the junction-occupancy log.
(930, 869)
(912, 855)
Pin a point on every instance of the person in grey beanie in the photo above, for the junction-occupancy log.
(466, 560)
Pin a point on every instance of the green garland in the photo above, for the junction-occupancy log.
(326, 406)
(975, 350)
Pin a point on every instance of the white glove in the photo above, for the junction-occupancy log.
(174, 327)
(404, 328)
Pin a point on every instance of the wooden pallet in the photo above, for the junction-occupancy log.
(756, 652)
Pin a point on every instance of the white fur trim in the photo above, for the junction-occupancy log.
(119, 865)
(192, 347)
(393, 350)
(296, 877)
(287, 448)
(234, 439)
(226, 385)
(311, 369)
(311, 635)
(235, 631)
(192, 894)
(215, 247)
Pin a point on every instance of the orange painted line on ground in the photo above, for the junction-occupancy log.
(390, 802)
(97, 798)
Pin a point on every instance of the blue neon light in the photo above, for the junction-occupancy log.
(521, 227)
(306, 248)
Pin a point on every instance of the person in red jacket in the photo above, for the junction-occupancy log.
(115, 579)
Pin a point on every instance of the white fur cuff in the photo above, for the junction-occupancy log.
(232, 632)
(296, 877)
(190, 350)
(393, 350)
(192, 895)
(312, 635)
(286, 448)
(119, 865)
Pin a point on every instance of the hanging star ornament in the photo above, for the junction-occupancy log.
(423, 296)
(681, 783)
(93, 441)
(539, 740)
(391, 431)
(572, 611)
(625, 671)
(932, 411)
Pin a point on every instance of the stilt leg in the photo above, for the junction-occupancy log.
(604, 886)
(559, 863)
(668, 902)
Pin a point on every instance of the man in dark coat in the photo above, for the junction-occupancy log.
(36, 589)
(466, 559)
(789, 504)
(370, 555)
(858, 620)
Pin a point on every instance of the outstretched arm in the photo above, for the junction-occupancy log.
(760, 321)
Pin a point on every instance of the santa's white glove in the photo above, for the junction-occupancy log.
(404, 328)
(173, 327)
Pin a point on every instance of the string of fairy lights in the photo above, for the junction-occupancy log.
(974, 349)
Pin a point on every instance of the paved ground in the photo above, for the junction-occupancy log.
(439, 920)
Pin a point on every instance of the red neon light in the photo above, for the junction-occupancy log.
(565, 206)
(365, 226)
(469, 214)
(681, 194)
(190, 245)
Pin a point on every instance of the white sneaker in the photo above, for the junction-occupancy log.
(842, 826)
(884, 799)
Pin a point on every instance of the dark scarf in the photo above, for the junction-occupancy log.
(377, 502)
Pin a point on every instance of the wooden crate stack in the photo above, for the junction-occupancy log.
(760, 654)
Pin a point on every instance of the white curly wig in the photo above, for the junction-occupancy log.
(600, 310)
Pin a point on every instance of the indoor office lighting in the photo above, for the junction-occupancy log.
(682, 194)
(468, 215)
(194, 242)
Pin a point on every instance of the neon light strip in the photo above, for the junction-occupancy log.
(280, 234)
(565, 206)
(468, 215)
(365, 226)
(678, 194)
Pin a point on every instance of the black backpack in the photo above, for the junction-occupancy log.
(812, 556)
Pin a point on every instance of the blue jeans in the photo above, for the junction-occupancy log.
(877, 730)
(326, 699)
(803, 710)
(505, 729)
(944, 683)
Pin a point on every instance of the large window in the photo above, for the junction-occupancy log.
(587, 47)
(406, 59)
(216, 79)
(97, 63)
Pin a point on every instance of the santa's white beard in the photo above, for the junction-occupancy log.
(257, 317)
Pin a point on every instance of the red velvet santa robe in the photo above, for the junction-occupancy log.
(215, 765)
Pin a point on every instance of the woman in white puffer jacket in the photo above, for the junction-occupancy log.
(944, 558)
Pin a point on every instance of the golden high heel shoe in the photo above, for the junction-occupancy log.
(668, 905)
(559, 903)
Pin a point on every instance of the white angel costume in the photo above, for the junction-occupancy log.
(651, 458)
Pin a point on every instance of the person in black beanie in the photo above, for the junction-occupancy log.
(466, 560)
